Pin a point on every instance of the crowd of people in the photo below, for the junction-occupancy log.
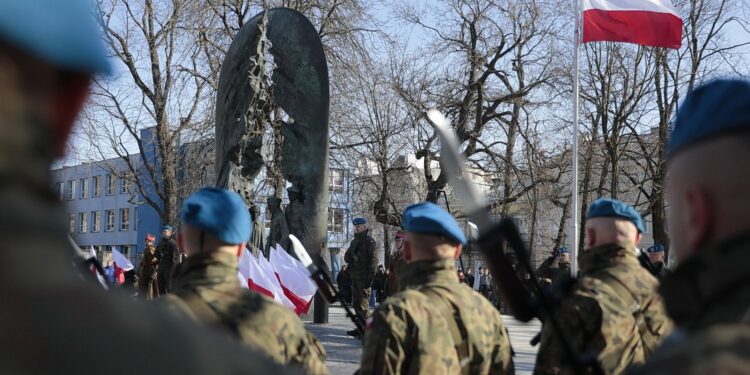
(615, 318)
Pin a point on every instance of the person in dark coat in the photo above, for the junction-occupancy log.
(344, 282)
(378, 283)
(168, 255)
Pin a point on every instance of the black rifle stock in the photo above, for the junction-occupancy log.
(331, 294)
(492, 243)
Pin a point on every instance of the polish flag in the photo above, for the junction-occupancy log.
(652, 23)
(257, 279)
(295, 280)
(271, 275)
(122, 265)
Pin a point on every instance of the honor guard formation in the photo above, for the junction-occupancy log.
(615, 316)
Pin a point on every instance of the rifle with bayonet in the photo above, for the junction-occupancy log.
(494, 238)
(325, 285)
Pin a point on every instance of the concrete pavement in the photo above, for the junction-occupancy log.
(343, 352)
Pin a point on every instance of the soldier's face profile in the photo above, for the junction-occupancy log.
(398, 243)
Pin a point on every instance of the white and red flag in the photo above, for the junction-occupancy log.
(253, 276)
(271, 275)
(295, 280)
(652, 23)
(122, 265)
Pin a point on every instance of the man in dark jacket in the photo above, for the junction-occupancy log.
(344, 282)
(362, 259)
(378, 284)
(168, 255)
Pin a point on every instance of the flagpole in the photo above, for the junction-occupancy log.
(574, 169)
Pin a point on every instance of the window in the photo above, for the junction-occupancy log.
(83, 222)
(110, 214)
(71, 190)
(61, 190)
(124, 218)
(84, 188)
(336, 220)
(71, 223)
(96, 221)
(125, 184)
(111, 183)
(336, 183)
(97, 186)
(135, 218)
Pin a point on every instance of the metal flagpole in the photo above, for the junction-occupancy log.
(574, 170)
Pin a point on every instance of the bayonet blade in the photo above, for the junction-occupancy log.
(300, 251)
(452, 164)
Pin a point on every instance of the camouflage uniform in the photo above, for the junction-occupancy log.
(708, 296)
(613, 314)
(362, 258)
(417, 331)
(206, 289)
(54, 322)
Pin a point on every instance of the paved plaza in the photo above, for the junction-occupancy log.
(344, 352)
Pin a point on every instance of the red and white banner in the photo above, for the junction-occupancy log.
(294, 278)
(256, 279)
(256, 276)
(122, 265)
(652, 23)
(271, 275)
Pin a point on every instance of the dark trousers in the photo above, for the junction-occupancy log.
(361, 297)
(164, 280)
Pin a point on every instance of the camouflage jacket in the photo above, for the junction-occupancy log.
(708, 296)
(411, 332)
(206, 289)
(362, 257)
(613, 314)
(55, 320)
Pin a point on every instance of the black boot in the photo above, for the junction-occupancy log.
(353, 333)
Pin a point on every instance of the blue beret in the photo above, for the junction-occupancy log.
(219, 212)
(359, 221)
(431, 219)
(563, 250)
(608, 207)
(63, 33)
(714, 109)
(656, 248)
(167, 227)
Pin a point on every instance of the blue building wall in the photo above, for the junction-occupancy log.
(144, 219)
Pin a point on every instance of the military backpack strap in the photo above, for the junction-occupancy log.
(202, 310)
(649, 340)
(452, 316)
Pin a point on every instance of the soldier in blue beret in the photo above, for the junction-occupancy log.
(416, 331)
(656, 258)
(613, 311)
(362, 260)
(216, 227)
(50, 50)
(708, 192)
(168, 255)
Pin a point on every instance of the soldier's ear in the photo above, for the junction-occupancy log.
(458, 251)
(407, 251)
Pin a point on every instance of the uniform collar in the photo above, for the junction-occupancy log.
(705, 282)
(606, 256)
(215, 269)
(362, 233)
(428, 271)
